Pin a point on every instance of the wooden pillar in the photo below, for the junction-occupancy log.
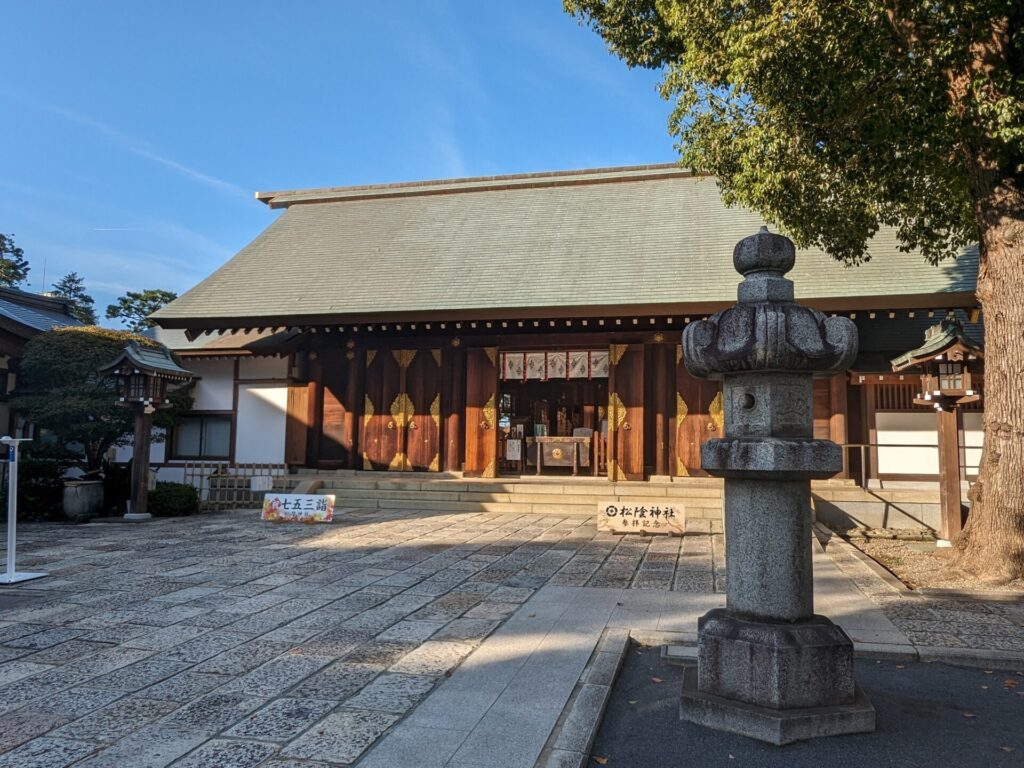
(355, 370)
(140, 463)
(660, 393)
(453, 404)
(870, 417)
(837, 424)
(316, 410)
(950, 522)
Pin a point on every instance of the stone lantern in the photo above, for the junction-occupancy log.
(142, 375)
(768, 667)
(950, 377)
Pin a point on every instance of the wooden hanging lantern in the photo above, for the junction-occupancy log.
(950, 365)
(142, 375)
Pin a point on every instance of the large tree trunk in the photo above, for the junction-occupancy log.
(992, 543)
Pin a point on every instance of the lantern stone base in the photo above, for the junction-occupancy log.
(774, 681)
(805, 663)
(775, 726)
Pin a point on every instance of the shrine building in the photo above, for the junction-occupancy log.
(527, 324)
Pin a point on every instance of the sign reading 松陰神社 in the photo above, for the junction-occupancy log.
(655, 516)
(298, 508)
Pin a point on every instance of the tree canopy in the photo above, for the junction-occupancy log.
(13, 265)
(833, 118)
(72, 287)
(60, 389)
(135, 307)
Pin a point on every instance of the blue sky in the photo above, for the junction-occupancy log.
(134, 134)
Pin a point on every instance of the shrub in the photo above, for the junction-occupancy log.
(173, 500)
(41, 470)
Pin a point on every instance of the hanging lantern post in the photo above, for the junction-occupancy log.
(142, 375)
(949, 364)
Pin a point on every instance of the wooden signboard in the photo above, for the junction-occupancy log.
(655, 516)
(298, 508)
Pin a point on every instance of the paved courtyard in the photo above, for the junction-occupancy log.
(223, 641)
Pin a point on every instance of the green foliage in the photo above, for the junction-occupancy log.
(13, 265)
(72, 287)
(135, 307)
(834, 118)
(41, 469)
(173, 500)
(61, 390)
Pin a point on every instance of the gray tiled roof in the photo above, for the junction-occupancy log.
(609, 238)
(34, 312)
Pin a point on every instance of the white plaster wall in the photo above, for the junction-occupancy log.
(974, 438)
(172, 474)
(263, 368)
(216, 386)
(262, 415)
(907, 429)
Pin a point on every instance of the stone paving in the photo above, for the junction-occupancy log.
(223, 641)
(939, 622)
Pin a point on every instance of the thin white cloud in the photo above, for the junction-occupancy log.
(136, 147)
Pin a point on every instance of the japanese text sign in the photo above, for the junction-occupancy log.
(298, 508)
(653, 516)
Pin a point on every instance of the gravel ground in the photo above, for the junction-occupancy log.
(929, 715)
(923, 569)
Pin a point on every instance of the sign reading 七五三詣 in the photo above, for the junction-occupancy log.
(298, 508)
(657, 516)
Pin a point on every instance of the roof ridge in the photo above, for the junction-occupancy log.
(283, 198)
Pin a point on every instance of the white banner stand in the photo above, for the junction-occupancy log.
(11, 575)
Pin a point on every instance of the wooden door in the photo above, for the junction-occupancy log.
(338, 407)
(482, 412)
(423, 432)
(626, 412)
(699, 417)
(384, 413)
(297, 421)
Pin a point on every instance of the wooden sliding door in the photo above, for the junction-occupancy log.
(626, 412)
(482, 411)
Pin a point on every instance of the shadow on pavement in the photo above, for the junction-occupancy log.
(929, 715)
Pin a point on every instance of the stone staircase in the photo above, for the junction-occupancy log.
(701, 497)
(838, 503)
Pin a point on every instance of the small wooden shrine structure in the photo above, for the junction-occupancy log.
(950, 377)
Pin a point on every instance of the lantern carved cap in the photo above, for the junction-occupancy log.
(766, 330)
(947, 338)
(142, 374)
(151, 361)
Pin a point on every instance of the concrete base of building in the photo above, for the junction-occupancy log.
(774, 726)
